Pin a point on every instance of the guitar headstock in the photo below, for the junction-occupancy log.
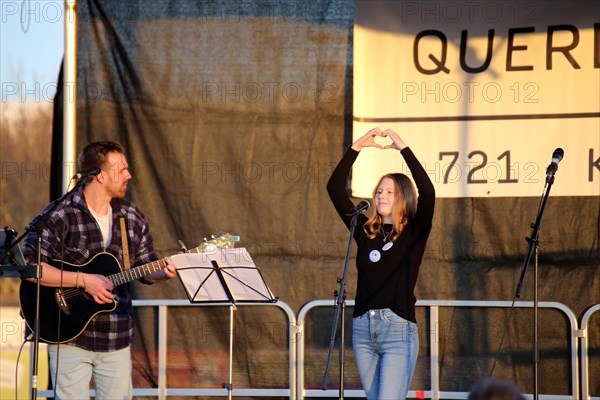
(224, 241)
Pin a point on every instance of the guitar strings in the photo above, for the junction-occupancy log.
(129, 275)
(68, 293)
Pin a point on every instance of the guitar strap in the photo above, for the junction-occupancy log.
(124, 243)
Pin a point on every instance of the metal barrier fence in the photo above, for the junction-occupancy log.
(296, 348)
(162, 391)
(434, 305)
(583, 333)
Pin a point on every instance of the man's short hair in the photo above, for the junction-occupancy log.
(95, 154)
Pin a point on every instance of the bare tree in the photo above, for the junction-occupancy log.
(25, 144)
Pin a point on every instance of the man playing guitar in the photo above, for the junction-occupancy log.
(81, 234)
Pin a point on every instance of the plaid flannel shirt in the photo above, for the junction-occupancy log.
(73, 221)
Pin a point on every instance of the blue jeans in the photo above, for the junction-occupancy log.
(386, 348)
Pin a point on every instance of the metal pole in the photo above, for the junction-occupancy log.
(340, 308)
(70, 99)
(536, 349)
(36, 323)
(342, 349)
(229, 384)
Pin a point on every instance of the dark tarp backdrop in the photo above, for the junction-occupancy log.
(233, 116)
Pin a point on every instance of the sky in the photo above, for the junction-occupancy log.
(31, 48)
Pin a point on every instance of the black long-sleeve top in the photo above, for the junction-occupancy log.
(390, 281)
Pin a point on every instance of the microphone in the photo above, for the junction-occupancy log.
(556, 157)
(362, 206)
(92, 171)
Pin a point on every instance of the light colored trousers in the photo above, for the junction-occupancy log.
(111, 372)
(386, 347)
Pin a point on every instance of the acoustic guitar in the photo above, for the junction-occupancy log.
(75, 308)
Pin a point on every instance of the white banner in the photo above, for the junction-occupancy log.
(483, 92)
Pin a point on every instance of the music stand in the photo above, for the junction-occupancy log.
(223, 276)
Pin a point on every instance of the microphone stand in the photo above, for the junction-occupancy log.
(533, 241)
(36, 226)
(340, 308)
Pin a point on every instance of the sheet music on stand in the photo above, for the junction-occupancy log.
(219, 276)
(222, 275)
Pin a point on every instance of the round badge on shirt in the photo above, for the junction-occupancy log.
(374, 256)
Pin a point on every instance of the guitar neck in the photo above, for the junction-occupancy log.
(120, 278)
(132, 274)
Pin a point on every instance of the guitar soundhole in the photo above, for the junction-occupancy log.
(60, 300)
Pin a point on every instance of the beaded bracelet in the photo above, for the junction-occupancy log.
(77, 280)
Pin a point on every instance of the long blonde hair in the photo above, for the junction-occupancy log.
(404, 208)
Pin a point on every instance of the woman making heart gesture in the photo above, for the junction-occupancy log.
(390, 248)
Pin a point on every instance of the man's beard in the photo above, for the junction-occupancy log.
(118, 193)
